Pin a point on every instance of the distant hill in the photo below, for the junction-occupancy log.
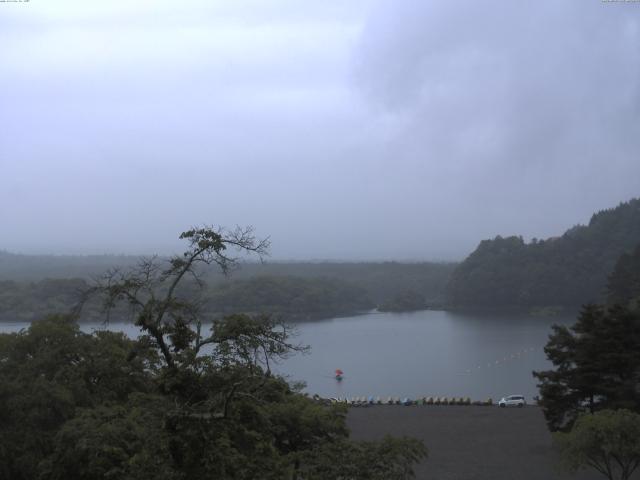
(33, 268)
(32, 286)
(382, 281)
(564, 271)
(292, 297)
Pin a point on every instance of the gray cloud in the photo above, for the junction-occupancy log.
(342, 129)
(531, 106)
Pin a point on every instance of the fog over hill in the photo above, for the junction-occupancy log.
(369, 129)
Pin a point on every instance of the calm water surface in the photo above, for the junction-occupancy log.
(427, 353)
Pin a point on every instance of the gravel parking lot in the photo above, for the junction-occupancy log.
(470, 442)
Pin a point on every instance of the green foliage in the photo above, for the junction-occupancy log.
(389, 459)
(177, 403)
(292, 297)
(297, 291)
(99, 405)
(113, 441)
(252, 342)
(404, 302)
(49, 372)
(624, 282)
(597, 365)
(28, 301)
(380, 280)
(301, 425)
(567, 271)
(607, 441)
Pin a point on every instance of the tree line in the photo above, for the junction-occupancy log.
(297, 291)
(292, 298)
(591, 398)
(187, 399)
(569, 271)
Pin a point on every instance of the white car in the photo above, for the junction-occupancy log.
(512, 401)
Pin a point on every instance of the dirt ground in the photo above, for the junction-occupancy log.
(469, 442)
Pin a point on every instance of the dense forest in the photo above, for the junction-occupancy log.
(624, 282)
(33, 286)
(563, 271)
(404, 302)
(381, 280)
(294, 297)
(101, 405)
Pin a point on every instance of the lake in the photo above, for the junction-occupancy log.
(426, 353)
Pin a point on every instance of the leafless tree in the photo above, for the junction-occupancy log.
(151, 288)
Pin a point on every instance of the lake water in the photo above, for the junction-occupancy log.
(426, 353)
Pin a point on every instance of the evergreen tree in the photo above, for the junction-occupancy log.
(624, 282)
(597, 365)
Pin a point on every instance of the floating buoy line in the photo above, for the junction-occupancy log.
(368, 401)
(500, 361)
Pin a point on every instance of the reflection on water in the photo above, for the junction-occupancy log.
(427, 353)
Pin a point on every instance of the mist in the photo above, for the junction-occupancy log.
(363, 130)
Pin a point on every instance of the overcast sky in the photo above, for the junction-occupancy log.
(342, 129)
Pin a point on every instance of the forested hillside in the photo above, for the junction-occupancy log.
(382, 281)
(293, 297)
(33, 286)
(624, 282)
(101, 405)
(564, 271)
